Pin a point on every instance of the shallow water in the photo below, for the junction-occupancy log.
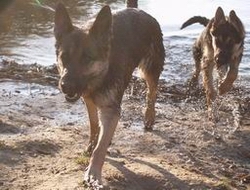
(26, 32)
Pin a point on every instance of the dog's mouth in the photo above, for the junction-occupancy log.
(72, 97)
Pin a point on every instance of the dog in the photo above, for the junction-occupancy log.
(219, 46)
(96, 63)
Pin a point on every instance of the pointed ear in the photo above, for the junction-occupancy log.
(219, 17)
(101, 29)
(235, 21)
(63, 24)
(232, 15)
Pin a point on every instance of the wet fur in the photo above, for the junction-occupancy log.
(219, 46)
(97, 62)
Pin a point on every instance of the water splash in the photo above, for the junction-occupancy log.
(226, 115)
(214, 110)
(237, 115)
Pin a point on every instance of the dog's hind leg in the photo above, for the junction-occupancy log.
(197, 54)
(149, 119)
(151, 67)
(94, 124)
(151, 75)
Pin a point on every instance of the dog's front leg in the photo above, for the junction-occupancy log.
(232, 74)
(207, 68)
(109, 116)
(94, 124)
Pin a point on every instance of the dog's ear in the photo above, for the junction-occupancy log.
(219, 17)
(63, 24)
(101, 29)
(235, 21)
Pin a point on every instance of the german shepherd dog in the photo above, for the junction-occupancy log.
(96, 63)
(219, 46)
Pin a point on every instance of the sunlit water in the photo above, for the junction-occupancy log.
(26, 30)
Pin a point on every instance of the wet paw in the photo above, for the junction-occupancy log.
(193, 83)
(92, 178)
(149, 119)
(213, 112)
(92, 183)
(148, 128)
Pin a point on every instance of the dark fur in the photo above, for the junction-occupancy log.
(219, 46)
(132, 3)
(97, 62)
(196, 19)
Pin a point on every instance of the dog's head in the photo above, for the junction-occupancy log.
(82, 55)
(227, 37)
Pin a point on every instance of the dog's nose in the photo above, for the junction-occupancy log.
(219, 59)
(63, 84)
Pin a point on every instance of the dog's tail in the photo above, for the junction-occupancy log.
(196, 19)
(132, 3)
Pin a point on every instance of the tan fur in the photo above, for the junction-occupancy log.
(220, 47)
(96, 63)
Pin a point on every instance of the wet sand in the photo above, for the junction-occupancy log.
(42, 137)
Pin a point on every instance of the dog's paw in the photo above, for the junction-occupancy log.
(92, 183)
(149, 119)
(213, 117)
(148, 125)
(213, 111)
(192, 83)
(92, 180)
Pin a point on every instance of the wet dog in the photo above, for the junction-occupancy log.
(219, 46)
(96, 63)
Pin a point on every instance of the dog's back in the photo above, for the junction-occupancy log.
(137, 38)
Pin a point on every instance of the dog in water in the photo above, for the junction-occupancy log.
(219, 46)
(96, 64)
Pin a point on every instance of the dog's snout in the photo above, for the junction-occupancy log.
(67, 83)
(65, 86)
(217, 58)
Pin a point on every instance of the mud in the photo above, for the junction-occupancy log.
(42, 137)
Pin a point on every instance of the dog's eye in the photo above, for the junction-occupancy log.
(88, 58)
(214, 33)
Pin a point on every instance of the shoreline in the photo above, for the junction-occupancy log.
(42, 137)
